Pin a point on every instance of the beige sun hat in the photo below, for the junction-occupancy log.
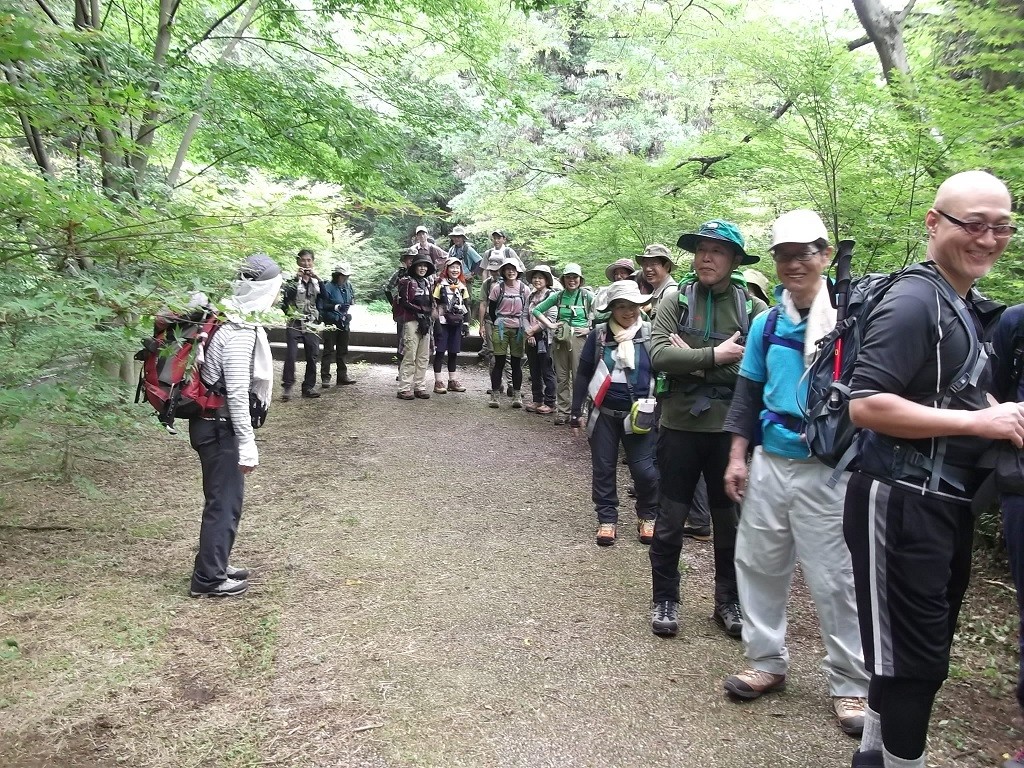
(342, 268)
(619, 264)
(457, 232)
(622, 290)
(513, 261)
(658, 251)
(542, 269)
(756, 280)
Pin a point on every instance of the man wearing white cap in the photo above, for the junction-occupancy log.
(790, 514)
(426, 245)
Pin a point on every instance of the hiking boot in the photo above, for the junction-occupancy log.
(665, 618)
(440, 388)
(422, 394)
(606, 533)
(1017, 761)
(561, 421)
(286, 395)
(325, 384)
(544, 410)
(697, 532)
(517, 399)
(872, 758)
(752, 683)
(310, 393)
(454, 386)
(406, 396)
(227, 588)
(850, 713)
(493, 401)
(346, 379)
(645, 529)
(729, 617)
(238, 574)
(530, 407)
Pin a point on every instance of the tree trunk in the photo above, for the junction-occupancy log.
(885, 28)
(144, 137)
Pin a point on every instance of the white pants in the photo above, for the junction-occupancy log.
(789, 514)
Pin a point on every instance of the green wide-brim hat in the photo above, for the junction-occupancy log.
(718, 229)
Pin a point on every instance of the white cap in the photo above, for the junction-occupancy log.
(799, 226)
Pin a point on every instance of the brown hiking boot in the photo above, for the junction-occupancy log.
(645, 529)
(454, 386)
(606, 533)
(752, 683)
(850, 713)
(440, 388)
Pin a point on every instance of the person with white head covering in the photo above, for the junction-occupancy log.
(616, 378)
(237, 358)
(538, 343)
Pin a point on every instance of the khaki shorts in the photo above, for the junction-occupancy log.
(512, 342)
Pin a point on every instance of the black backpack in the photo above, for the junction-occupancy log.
(831, 435)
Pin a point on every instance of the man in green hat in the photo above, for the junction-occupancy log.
(697, 343)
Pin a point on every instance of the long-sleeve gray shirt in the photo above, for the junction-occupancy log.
(229, 359)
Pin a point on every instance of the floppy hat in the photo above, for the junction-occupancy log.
(619, 264)
(799, 226)
(657, 251)
(423, 258)
(513, 261)
(342, 268)
(572, 268)
(717, 229)
(543, 269)
(622, 290)
(457, 232)
(756, 279)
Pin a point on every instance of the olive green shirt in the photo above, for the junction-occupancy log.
(693, 372)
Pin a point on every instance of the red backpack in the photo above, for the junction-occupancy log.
(171, 362)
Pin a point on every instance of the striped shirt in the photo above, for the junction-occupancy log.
(229, 359)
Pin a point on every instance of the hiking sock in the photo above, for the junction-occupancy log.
(871, 739)
(891, 761)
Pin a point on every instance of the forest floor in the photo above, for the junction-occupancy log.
(426, 592)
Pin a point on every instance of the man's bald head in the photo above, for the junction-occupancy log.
(971, 186)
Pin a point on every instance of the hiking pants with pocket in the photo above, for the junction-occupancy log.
(790, 515)
(566, 357)
(335, 346)
(542, 376)
(682, 458)
(413, 373)
(223, 487)
(311, 348)
(608, 433)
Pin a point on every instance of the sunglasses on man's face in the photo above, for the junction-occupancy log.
(979, 228)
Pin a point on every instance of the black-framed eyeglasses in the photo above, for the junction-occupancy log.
(802, 256)
(979, 228)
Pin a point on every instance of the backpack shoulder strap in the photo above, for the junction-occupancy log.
(1016, 359)
(769, 336)
(744, 306)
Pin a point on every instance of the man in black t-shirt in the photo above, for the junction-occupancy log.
(910, 538)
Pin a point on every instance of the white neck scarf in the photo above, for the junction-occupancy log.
(624, 354)
(251, 297)
(820, 319)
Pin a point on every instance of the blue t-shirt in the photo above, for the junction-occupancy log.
(785, 387)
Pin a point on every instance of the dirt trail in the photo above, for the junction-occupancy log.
(426, 592)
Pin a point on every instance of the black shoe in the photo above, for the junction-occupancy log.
(871, 758)
(310, 393)
(697, 532)
(346, 380)
(286, 395)
(665, 618)
(238, 574)
(729, 617)
(631, 491)
(227, 588)
(509, 390)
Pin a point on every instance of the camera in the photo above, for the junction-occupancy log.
(307, 270)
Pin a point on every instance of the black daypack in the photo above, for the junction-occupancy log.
(831, 435)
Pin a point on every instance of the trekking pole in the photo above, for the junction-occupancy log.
(843, 264)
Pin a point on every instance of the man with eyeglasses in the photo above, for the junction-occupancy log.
(909, 533)
(790, 514)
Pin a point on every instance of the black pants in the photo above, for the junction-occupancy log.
(336, 346)
(542, 375)
(608, 434)
(447, 341)
(311, 347)
(1013, 530)
(682, 458)
(223, 487)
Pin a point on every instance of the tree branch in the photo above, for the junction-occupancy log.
(202, 39)
(46, 9)
(707, 162)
